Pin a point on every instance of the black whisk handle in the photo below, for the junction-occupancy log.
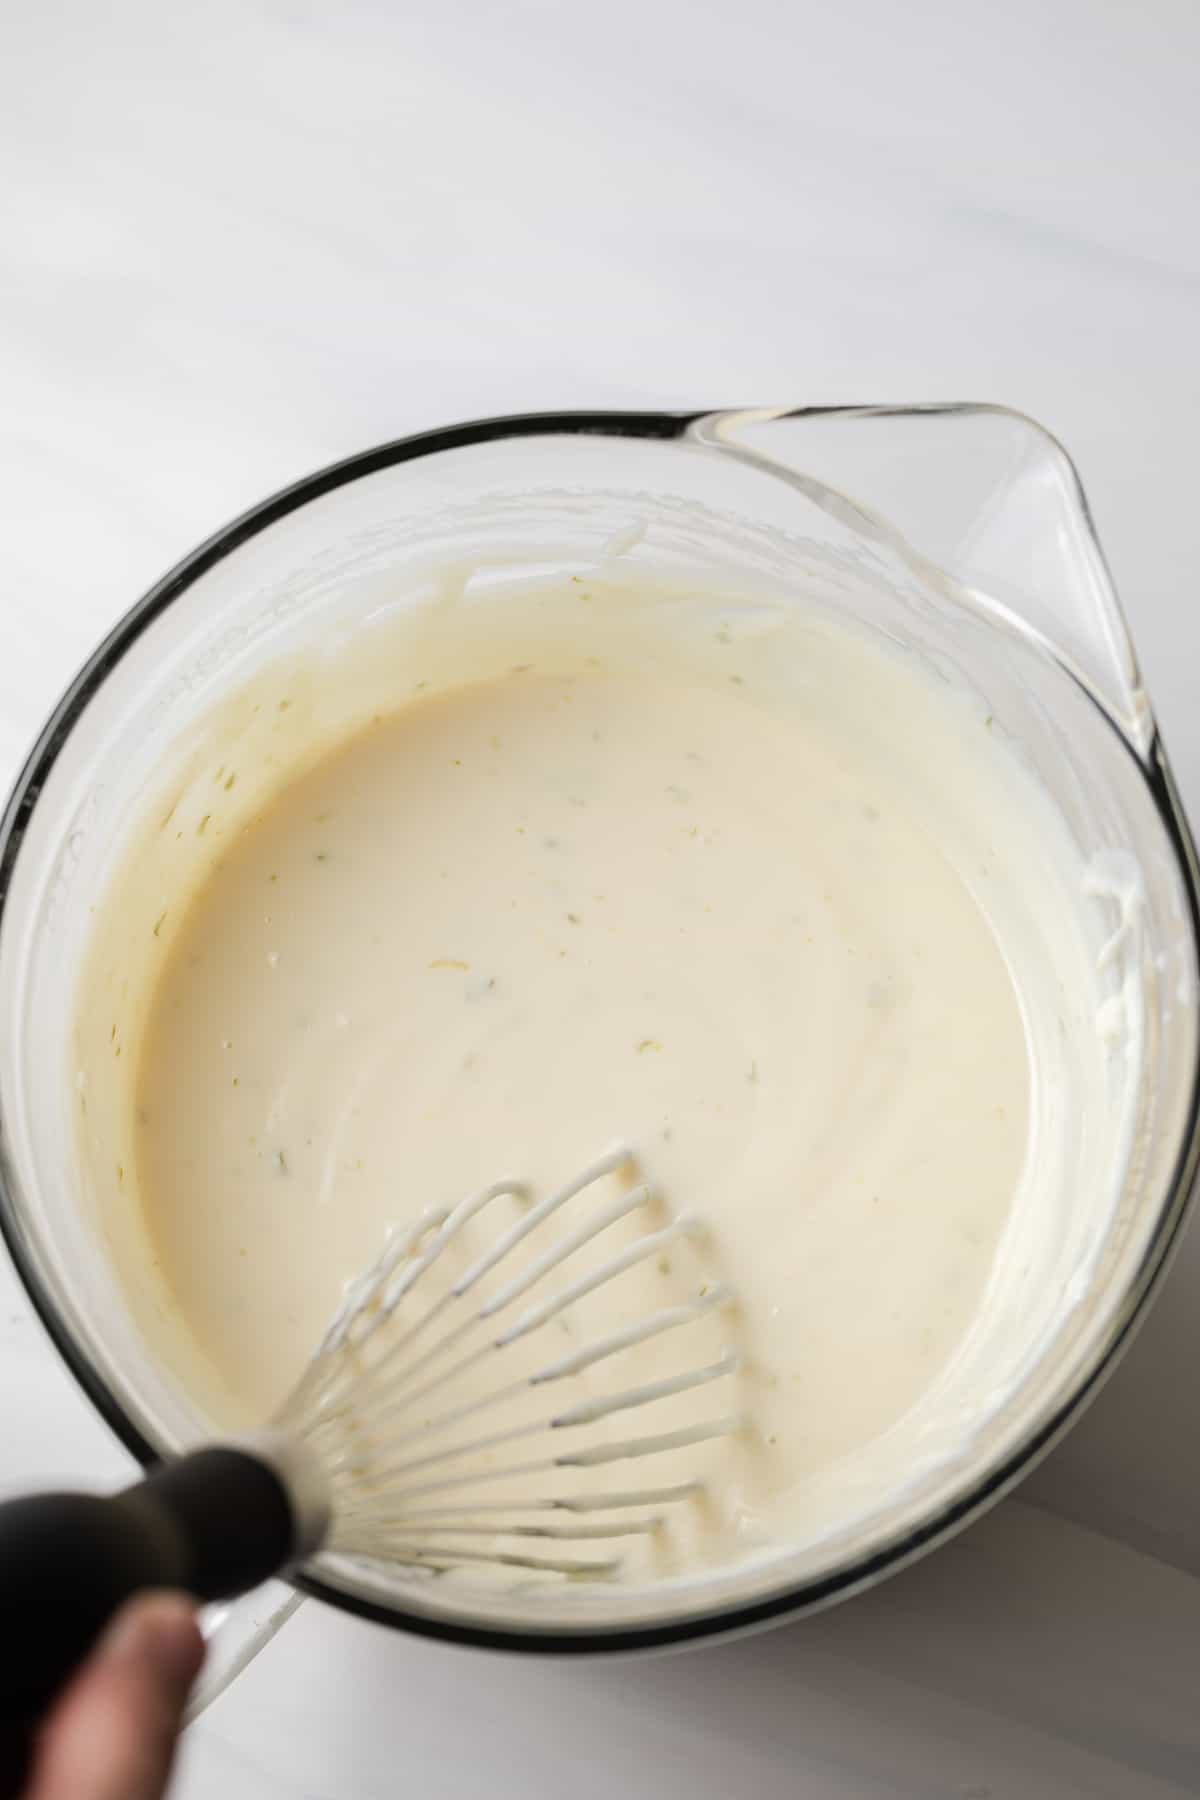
(214, 1523)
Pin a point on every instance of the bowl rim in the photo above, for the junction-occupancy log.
(793, 1598)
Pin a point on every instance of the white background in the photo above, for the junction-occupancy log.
(238, 240)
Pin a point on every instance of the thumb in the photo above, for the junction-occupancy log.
(112, 1734)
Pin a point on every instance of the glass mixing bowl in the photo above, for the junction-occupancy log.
(959, 532)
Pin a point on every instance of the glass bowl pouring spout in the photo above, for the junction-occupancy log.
(981, 503)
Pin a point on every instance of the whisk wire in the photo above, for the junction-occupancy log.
(356, 1402)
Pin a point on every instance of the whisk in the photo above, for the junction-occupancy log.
(396, 1444)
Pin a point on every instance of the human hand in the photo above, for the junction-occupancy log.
(111, 1733)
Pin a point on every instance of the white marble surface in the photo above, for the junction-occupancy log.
(240, 240)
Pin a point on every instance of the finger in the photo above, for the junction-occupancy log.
(112, 1735)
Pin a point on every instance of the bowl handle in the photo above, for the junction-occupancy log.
(235, 1632)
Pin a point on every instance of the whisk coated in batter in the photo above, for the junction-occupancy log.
(394, 1379)
(425, 1431)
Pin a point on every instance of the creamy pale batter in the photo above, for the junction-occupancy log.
(507, 875)
(511, 923)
